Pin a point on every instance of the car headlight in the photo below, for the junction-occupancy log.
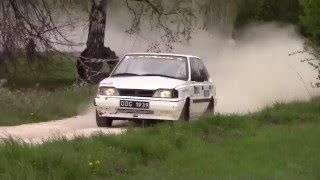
(166, 93)
(108, 91)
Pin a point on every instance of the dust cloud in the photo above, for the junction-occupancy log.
(255, 70)
(250, 73)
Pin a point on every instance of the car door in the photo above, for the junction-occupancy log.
(201, 94)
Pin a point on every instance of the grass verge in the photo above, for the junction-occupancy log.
(281, 142)
(46, 73)
(32, 105)
(40, 90)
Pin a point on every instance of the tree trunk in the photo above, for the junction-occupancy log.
(88, 66)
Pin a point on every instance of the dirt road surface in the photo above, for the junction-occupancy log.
(84, 125)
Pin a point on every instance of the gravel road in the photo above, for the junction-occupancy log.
(83, 125)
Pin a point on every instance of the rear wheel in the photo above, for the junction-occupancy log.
(103, 121)
(185, 114)
(210, 109)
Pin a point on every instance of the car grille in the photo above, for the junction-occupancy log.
(136, 93)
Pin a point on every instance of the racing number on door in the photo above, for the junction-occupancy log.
(196, 90)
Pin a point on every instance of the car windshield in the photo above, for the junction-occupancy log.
(153, 65)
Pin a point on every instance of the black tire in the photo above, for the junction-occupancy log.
(185, 114)
(103, 121)
(210, 110)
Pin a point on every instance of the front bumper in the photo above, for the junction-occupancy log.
(160, 109)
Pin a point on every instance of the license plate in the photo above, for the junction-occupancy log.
(134, 104)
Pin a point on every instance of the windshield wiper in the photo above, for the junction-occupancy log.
(161, 75)
(125, 74)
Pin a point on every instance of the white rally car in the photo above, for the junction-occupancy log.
(147, 87)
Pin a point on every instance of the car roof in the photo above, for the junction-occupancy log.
(163, 54)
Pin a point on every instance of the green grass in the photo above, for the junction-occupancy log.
(49, 74)
(281, 142)
(42, 90)
(31, 105)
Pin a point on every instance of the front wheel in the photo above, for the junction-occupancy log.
(103, 121)
(185, 114)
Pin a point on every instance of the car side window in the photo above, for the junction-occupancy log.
(203, 70)
(195, 73)
(199, 72)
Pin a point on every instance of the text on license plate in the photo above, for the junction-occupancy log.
(134, 104)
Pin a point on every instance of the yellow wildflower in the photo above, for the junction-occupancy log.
(97, 162)
(90, 163)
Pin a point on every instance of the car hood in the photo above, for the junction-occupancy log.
(145, 82)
